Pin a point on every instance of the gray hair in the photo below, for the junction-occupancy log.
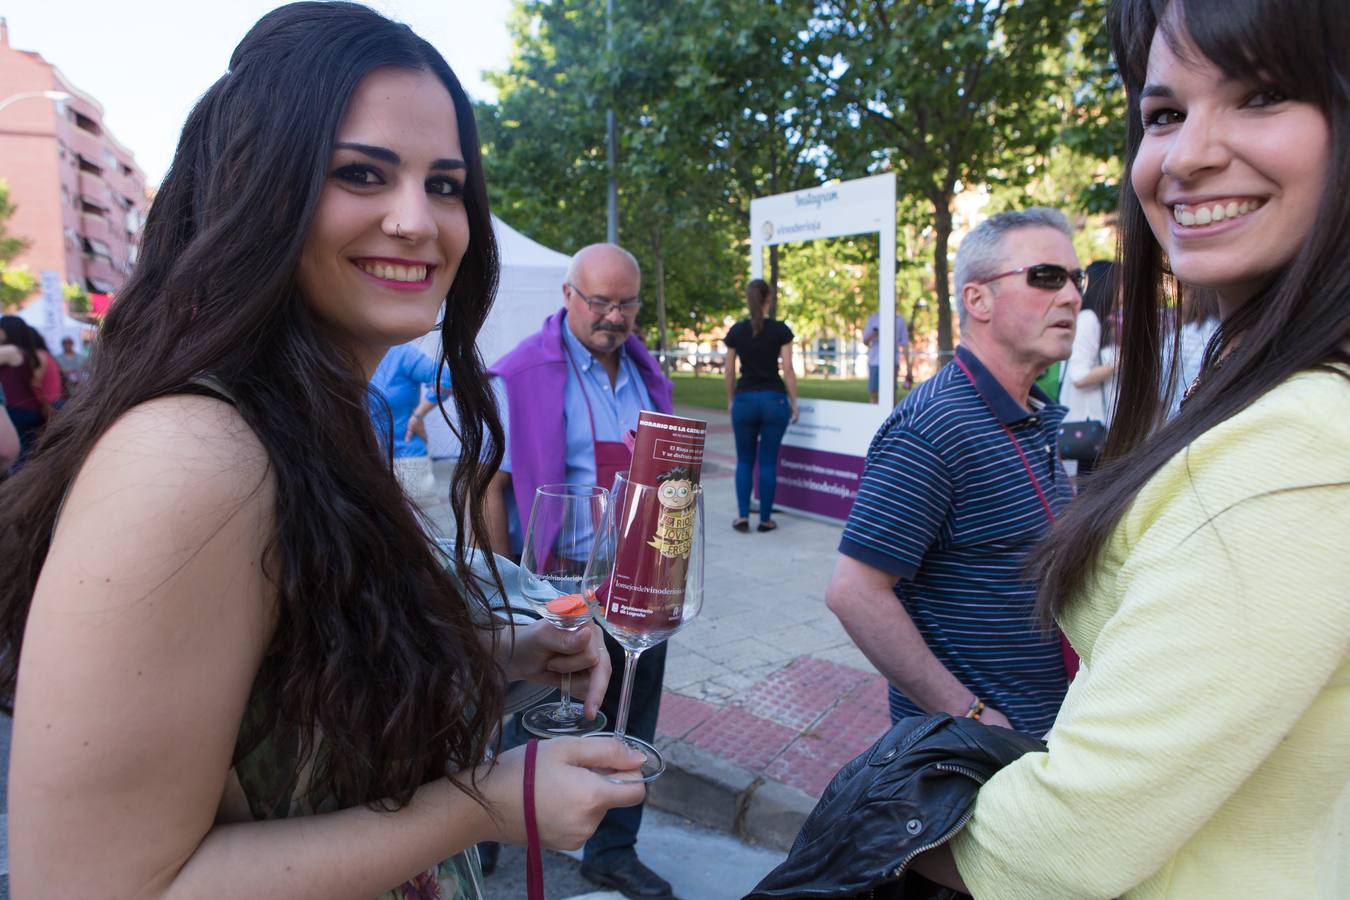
(981, 252)
(578, 258)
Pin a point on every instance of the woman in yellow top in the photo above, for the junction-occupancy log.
(1204, 577)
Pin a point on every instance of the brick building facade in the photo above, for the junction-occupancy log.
(81, 197)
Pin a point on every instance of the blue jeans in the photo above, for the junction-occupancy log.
(759, 419)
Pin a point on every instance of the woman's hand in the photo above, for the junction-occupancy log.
(795, 414)
(542, 653)
(416, 426)
(569, 797)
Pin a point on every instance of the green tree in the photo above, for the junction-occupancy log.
(17, 284)
(77, 298)
(949, 95)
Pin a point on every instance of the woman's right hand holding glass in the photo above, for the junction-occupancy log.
(570, 797)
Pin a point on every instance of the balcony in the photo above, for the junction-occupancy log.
(95, 228)
(94, 190)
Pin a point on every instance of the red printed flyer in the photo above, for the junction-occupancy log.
(656, 522)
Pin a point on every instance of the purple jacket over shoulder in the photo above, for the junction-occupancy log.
(535, 376)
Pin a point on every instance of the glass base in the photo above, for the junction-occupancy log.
(547, 721)
(653, 763)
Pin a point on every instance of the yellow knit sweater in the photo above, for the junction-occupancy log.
(1204, 749)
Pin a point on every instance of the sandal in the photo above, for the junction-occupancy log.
(741, 525)
(767, 526)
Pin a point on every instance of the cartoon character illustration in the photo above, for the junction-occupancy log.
(675, 529)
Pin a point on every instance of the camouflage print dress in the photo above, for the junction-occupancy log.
(267, 774)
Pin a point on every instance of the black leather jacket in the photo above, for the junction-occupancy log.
(912, 791)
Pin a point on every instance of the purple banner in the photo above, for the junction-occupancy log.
(817, 481)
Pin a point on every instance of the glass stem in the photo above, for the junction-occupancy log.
(565, 710)
(630, 661)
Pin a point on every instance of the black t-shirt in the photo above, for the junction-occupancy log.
(758, 354)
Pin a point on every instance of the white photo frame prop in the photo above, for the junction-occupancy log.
(822, 456)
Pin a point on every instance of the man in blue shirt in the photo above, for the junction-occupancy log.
(398, 408)
(960, 483)
(568, 394)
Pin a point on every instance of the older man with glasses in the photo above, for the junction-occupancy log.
(960, 483)
(568, 394)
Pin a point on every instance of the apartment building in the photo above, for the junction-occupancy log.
(81, 197)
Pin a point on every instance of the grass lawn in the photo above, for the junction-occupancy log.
(710, 389)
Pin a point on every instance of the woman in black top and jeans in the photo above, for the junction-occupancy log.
(762, 402)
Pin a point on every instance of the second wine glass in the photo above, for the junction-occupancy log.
(562, 529)
(644, 582)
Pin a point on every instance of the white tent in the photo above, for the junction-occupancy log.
(52, 325)
(530, 290)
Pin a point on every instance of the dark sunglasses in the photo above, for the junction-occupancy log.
(1046, 276)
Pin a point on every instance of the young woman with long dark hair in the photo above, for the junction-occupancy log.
(762, 402)
(1204, 748)
(240, 667)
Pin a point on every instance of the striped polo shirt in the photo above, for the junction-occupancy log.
(945, 505)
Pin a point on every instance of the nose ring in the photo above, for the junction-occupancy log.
(398, 231)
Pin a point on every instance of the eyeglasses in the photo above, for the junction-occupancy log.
(603, 306)
(1046, 276)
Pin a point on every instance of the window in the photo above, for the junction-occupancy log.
(85, 123)
(91, 208)
(87, 165)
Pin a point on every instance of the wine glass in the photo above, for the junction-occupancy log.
(558, 541)
(644, 581)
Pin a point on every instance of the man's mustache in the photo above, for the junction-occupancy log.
(609, 326)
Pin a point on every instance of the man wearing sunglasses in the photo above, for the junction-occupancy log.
(567, 395)
(960, 483)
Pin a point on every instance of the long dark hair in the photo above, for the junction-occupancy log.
(376, 649)
(21, 335)
(1299, 322)
(757, 294)
(1100, 296)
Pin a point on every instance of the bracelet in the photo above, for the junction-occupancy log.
(414, 415)
(975, 709)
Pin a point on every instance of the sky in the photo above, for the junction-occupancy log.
(147, 61)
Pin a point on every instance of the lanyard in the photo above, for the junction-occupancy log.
(1026, 463)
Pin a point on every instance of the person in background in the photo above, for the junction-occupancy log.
(9, 439)
(872, 338)
(1089, 386)
(72, 362)
(762, 402)
(50, 380)
(959, 484)
(399, 406)
(20, 375)
(1204, 748)
(239, 667)
(1184, 355)
(569, 393)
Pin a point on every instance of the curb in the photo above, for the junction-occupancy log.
(711, 791)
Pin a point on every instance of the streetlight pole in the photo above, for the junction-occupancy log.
(57, 96)
(612, 225)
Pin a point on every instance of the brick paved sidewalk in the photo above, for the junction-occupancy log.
(765, 688)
